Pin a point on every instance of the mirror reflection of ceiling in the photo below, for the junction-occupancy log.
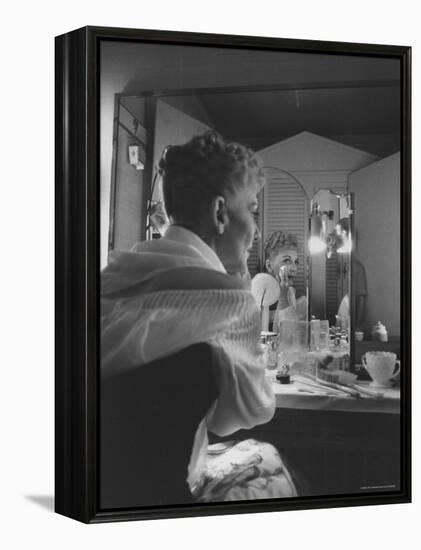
(350, 99)
(264, 118)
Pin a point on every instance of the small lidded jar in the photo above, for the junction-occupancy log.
(269, 341)
(379, 332)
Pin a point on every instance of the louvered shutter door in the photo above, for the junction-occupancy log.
(285, 208)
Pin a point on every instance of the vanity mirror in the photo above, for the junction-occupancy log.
(313, 182)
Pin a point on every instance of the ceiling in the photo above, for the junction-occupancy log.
(260, 98)
(367, 117)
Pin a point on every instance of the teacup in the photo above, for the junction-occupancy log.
(380, 365)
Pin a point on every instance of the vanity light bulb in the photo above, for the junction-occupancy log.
(346, 247)
(316, 244)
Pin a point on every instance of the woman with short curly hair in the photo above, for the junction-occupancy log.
(200, 183)
(281, 261)
(170, 294)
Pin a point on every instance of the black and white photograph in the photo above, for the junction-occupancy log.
(210, 265)
(251, 263)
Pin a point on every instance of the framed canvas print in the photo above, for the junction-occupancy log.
(232, 274)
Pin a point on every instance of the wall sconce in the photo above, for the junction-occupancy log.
(135, 157)
(136, 149)
(344, 244)
(327, 233)
(346, 247)
(316, 242)
(339, 240)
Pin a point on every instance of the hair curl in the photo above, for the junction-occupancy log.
(279, 241)
(204, 167)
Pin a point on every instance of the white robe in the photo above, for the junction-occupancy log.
(139, 327)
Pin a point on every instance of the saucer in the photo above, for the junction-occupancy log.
(376, 385)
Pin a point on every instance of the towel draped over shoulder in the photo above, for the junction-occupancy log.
(140, 325)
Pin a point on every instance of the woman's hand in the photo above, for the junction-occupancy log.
(283, 276)
(291, 297)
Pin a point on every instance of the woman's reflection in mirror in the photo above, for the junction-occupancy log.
(281, 261)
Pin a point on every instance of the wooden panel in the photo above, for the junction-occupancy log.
(331, 453)
(128, 201)
(332, 276)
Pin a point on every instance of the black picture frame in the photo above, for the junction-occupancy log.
(78, 267)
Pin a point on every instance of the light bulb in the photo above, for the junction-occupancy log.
(316, 244)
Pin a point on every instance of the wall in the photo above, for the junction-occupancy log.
(316, 162)
(172, 127)
(129, 196)
(377, 221)
(190, 105)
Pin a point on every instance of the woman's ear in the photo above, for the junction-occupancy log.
(268, 266)
(219, 214)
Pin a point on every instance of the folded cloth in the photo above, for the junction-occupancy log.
(248, 470)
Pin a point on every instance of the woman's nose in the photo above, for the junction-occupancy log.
(257, 233)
